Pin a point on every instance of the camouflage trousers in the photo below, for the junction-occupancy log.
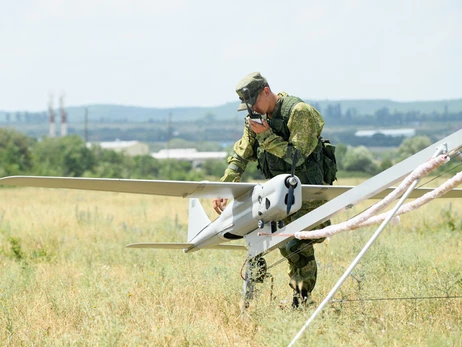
(300, 254)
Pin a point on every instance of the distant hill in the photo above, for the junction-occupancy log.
(143, 114)
(229, 110)
(223, 124)
(369, 107)
(134, 114)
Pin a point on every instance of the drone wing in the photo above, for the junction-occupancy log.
(186, 189)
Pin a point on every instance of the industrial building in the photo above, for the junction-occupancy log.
(128, 147)
(189, 154)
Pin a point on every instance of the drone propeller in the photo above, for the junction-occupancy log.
(291, 183)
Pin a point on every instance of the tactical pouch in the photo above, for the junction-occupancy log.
(329, 162)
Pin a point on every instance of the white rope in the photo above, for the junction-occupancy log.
(358, 258)
(362, 219)
(411, 206)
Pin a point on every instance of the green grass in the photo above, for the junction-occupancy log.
(66, 279)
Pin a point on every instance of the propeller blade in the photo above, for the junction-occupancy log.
(290, 198)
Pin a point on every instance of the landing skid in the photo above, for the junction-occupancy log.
(256, 268)
(255, 272)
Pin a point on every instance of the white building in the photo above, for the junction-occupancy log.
(128, 147)
(189, 154)
(387, 132)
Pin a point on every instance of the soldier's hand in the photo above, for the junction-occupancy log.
(219, 204)
(259, 127)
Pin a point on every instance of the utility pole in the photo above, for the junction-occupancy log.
(169, 135)
(169, 132)
(63, 116)
(51, 115)
(86, 125)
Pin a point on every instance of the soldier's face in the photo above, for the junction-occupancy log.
(262, 103)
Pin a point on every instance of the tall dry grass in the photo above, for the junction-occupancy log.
(66, 279)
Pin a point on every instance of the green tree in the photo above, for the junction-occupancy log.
(360, 159)
(214, 168)
(340, 152)
(15, 154)
(412, 145)
(145, 166)
(179, 170)
(385, 164)
(64, 156)
(111, 164)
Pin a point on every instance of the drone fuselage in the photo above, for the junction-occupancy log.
(265, 203)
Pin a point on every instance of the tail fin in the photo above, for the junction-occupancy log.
(197, 220)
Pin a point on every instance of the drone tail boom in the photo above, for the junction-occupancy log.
(185, 246)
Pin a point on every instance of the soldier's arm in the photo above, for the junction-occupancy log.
(243, 153)
(305, 126)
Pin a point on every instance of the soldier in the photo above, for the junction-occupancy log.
(287, 126)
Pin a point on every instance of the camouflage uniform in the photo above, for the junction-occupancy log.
(304, 125)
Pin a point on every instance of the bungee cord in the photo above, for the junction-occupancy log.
(365, 218)
(376, 234)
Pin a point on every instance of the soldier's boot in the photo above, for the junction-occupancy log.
(301, 299)
(302, 270)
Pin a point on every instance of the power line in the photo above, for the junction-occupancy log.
(398, 298)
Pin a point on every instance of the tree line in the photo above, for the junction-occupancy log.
(71, 157)
(340, 126)
(332, 111)
(385, 117)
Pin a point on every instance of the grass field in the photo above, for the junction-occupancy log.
(66, 279)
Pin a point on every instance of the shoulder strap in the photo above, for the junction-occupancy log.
(288, 105)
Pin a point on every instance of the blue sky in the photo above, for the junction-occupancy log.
(192, 53)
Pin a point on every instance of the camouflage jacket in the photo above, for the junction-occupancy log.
(305, 125)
